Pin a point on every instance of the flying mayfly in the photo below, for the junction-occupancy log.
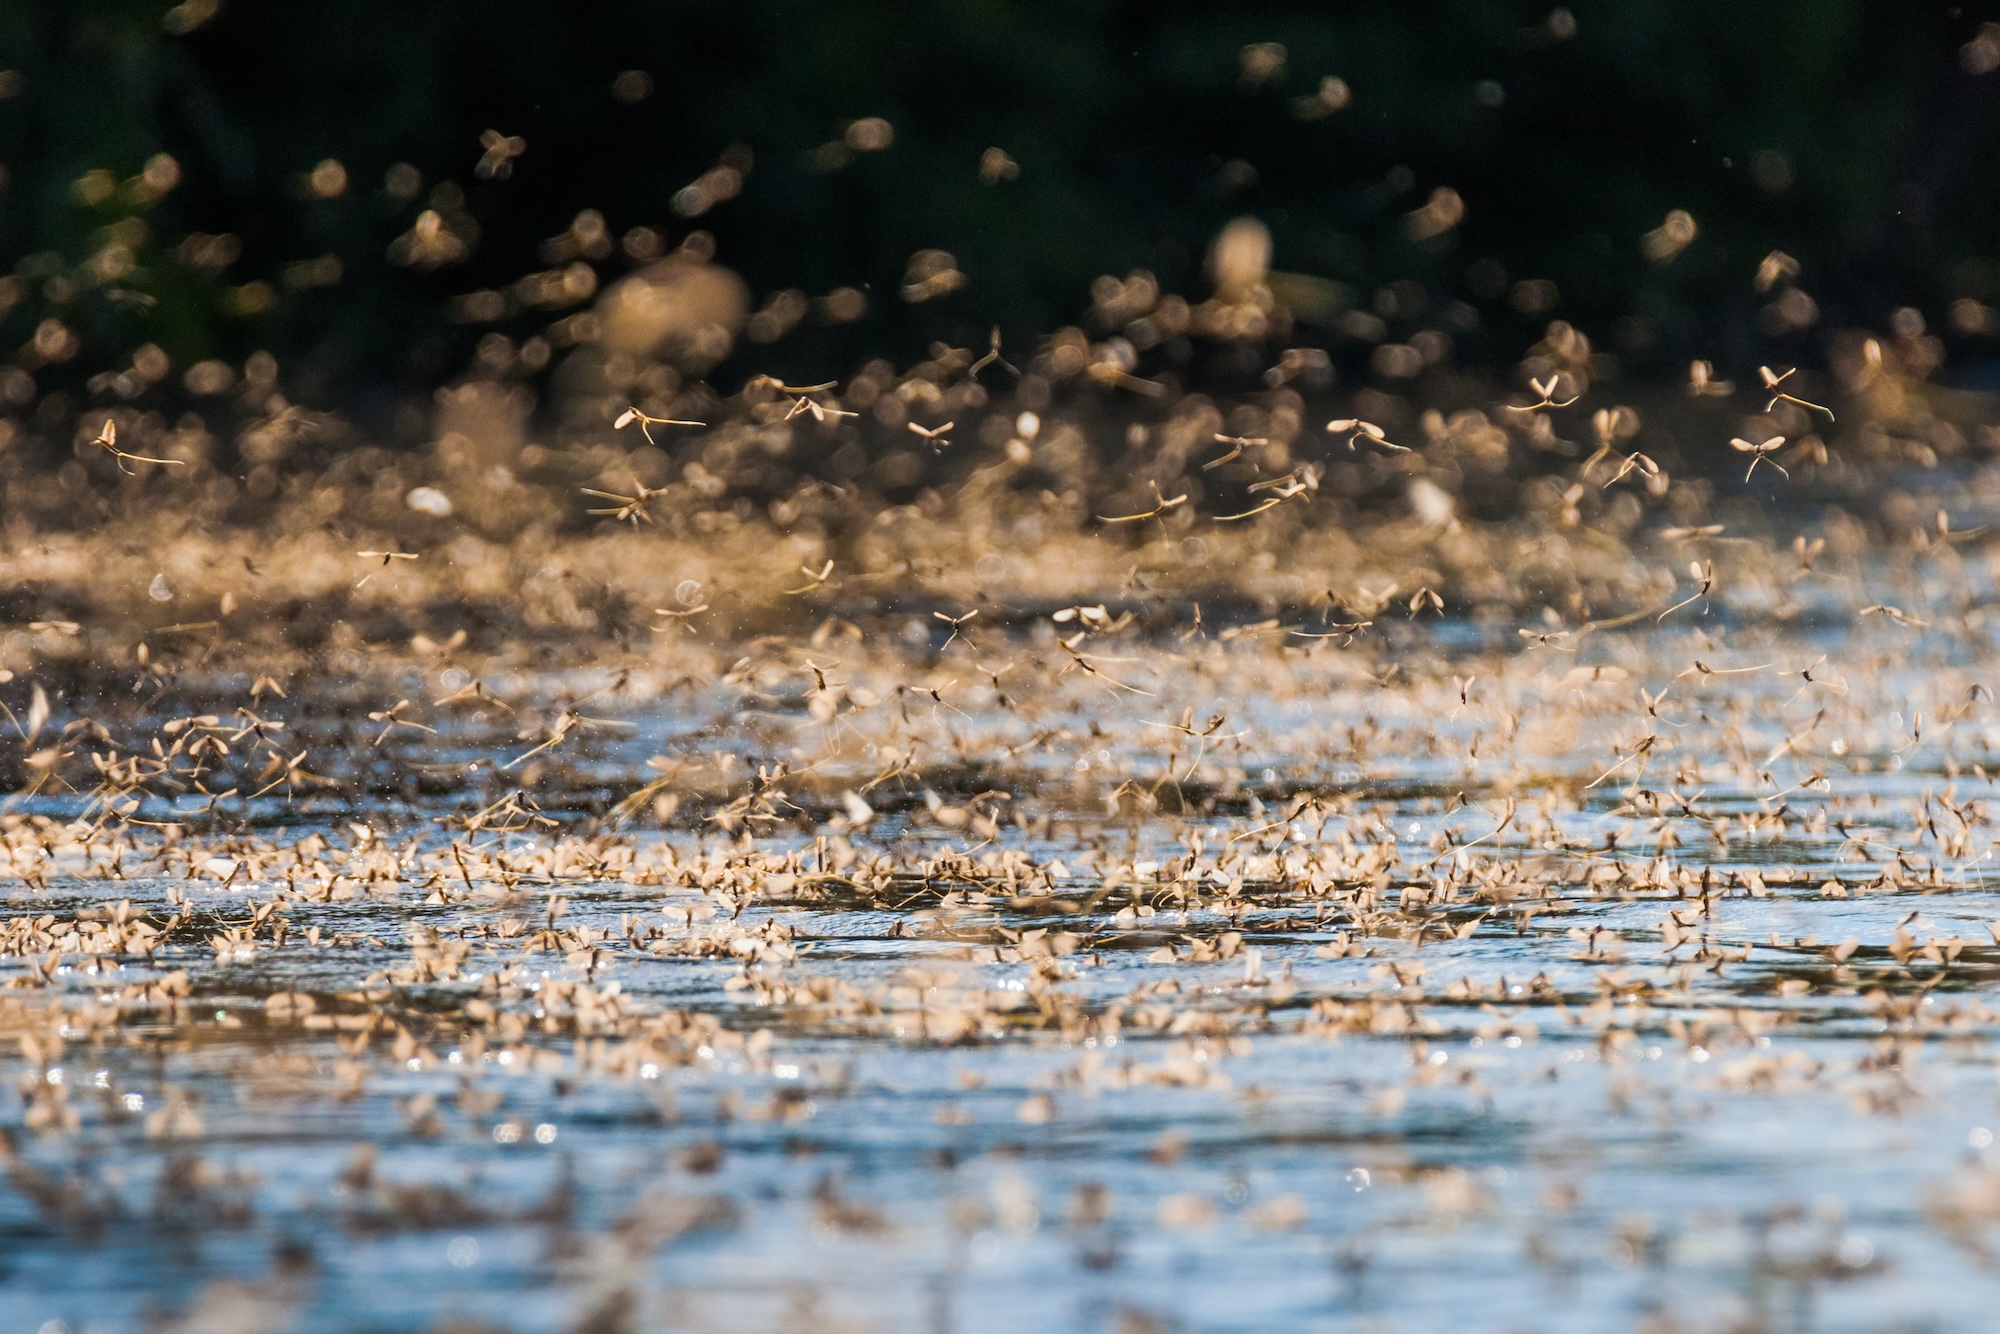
(1354, 428)
(648, 422)
(629, 509)
(1237, 444)
(933, 436)
(108, 438)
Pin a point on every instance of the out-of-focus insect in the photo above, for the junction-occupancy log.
(1871, 363)
(1703, 384)
(496, 163)
(1691, 534)
(1812, 449)
(934, 435)
(1807, 552)
(1947, 533)
(1773, 267)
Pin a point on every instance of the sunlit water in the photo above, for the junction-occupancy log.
(1274, 1107)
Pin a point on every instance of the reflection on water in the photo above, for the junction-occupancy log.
(1638, 981)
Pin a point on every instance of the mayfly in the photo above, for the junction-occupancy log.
(473, 692)
(1638, 462)
(803, 401)
(1703, 573)
(1771, 382)
(1078, 660)
(992, 358)
(1547, 638)
(957, 624)
(934, 436)
(496, 161)
(1354, 428)
(1607, 423)
(1161, 506)
(681, 616)
(385, 557)
(814, 578)
(1547, 390)
(1807, 552)
(1302, 481)
(629, 509)
(1896, 614)
(1237, 445)
(1341, 630)
(566, 722)
(1703, 384)
(1947, 533)
(647, 423)
(1758, 453)
(108, 438)
(392, 718)
(1690, 534)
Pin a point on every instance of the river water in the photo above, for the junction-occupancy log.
(1446, 979)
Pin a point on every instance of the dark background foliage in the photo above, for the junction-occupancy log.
(1856, 137)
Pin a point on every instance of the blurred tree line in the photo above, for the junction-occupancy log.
(360, 187)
